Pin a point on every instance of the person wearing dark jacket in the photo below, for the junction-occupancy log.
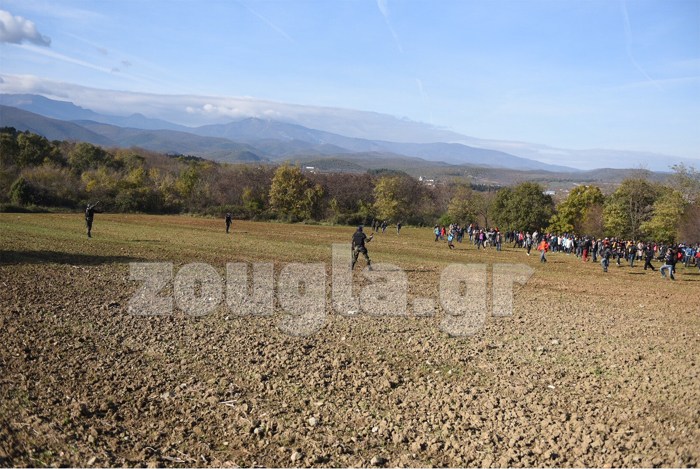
(648, 257)
(605, 261)
(358, 247)
(669, 263)
(89, 217)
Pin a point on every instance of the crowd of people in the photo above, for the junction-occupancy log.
(584, 247)
(381, 226)
(587, 248)
(479, 237)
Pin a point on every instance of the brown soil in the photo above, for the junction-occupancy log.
(590, 370)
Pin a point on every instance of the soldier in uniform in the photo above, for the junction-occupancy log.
(358, 246)
(228, 221)
(89, 216)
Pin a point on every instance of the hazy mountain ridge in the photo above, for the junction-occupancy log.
(224, 150)
(52, 129)
(266, 139)
(167, 141)
(252, 129)
(67, 111)
(186, 112)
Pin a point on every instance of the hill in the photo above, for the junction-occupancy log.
(267, 139)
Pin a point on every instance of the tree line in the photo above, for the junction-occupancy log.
(38, 173)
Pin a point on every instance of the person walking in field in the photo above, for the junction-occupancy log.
(631, 252)
(228, 221)
(528, 242)
(586, 249)
(606, 255)
(669, 263)
(358, 247)
(398, 228)
(543, 247)
(595, 246)
(648, 257)
(89, 217)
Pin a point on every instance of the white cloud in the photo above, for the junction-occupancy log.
(16, 30)
(193, 110)
(65, 58)
(272, 25)
(383, 6)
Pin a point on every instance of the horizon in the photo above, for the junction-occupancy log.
(575, 75)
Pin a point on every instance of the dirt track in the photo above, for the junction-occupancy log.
(589, 370)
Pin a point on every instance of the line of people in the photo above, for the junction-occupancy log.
(630, 251)
(378, 226)
(584, 247)
(481, 238)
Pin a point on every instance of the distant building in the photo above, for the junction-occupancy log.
(549, 192)
(427, 182)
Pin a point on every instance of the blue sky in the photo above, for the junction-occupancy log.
(572, 74)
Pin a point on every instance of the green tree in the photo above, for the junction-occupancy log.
(292, 195)
(53, 185)
(9, 149)
(628, 207)
(462, 207)
(387, 202)
(34, 150)
(252, 202)
(399, 197)
(84, 156)
(101, 184)
(20, 192)
(572, 212)
(187, 181)
(667, 213)
(522, 207)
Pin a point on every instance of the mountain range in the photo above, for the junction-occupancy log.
(244, 140)
(260, 139)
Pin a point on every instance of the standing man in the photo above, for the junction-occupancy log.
(586, 249)
(358, 246)
(89, 217)
(543, 247)
(605, 261)
(228, 221)
(398, 228)
(631, 252)
(648, 257)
